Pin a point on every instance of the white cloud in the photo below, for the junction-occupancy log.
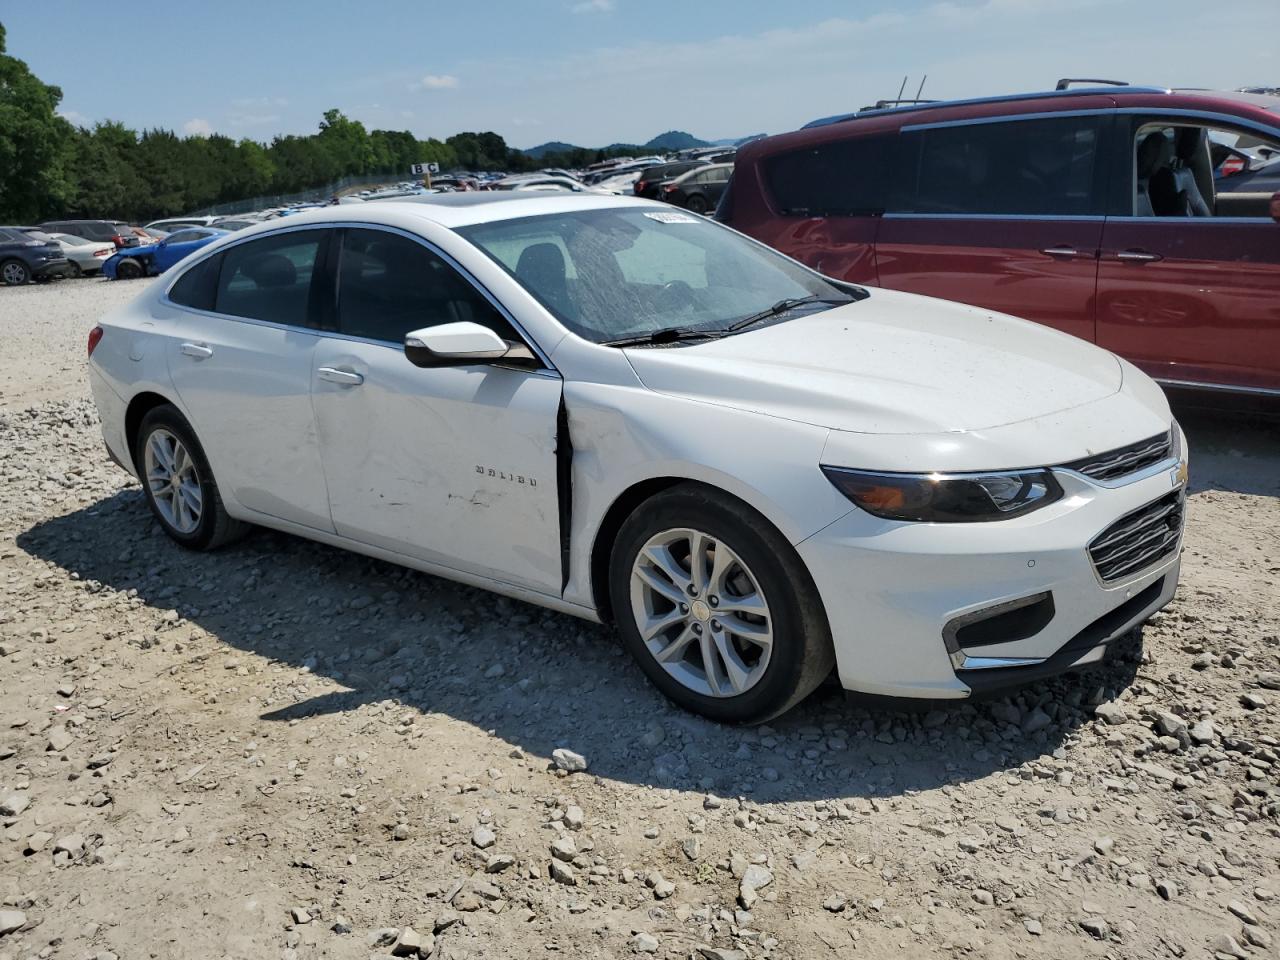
(593, 6)
(438, 81)
(75, 117)
(253, 119)
(197, 127)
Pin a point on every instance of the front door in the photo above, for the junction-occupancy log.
(453, 465)
(1189, 286)
(1004, 215)
(243, 371)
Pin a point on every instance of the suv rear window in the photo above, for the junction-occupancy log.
(844, 178)
(1021, 167)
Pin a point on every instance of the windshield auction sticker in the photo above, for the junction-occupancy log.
(664, 217)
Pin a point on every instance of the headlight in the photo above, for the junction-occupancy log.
(946, 497)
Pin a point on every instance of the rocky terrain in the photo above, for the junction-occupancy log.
(286, 751)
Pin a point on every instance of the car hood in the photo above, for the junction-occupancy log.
(893, 363)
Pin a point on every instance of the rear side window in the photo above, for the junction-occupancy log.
(270, 279)
(198, 287)
(389, 285)
(841, 179)
(1028, 167)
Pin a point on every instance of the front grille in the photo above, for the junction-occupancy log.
(1115, 464)
(1138, 539)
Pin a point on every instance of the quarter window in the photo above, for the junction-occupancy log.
(198, 287)
(1024, 167)
(844, 178)
(389, 285)
(270, 279)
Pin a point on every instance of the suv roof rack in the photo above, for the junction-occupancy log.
(1005, 98)
(1066, 82)
(885, 104)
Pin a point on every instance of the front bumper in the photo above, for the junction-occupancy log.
(893, 591)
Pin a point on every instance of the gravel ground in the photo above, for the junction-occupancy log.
(284, 750)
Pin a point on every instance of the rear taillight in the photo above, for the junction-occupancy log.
(95, 335)
(104, 252)
(669, 188)
(1231, 166)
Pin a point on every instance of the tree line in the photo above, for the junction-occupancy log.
(51, 168)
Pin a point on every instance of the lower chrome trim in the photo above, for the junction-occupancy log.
(992, 663)
(1217, 387)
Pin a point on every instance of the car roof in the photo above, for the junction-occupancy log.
(1124, 95)
(453, 210)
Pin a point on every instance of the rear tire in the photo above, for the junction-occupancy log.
(674, 614)
(697, 203)
(15, 273)
(178, 483)
(74, 271)
(129, 269)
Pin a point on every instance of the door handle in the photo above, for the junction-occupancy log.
(197, 350)
(348, 378)
(1065, 252)
(1137, 256)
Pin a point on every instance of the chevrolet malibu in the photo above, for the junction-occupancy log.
(631, 414)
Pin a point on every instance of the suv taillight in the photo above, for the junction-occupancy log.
(95, 335)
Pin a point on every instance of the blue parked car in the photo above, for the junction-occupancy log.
(134, 262)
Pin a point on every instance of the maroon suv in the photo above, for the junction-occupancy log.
(1097, 211)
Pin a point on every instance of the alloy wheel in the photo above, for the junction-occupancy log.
(700, 613)
(173, 481)
(15, 273)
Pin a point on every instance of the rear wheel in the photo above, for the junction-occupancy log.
(128, 269)
(14, 273)
(697, 203)
(74, 271)
(178, 483)
(717, 608)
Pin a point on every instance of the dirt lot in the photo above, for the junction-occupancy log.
(283, 750)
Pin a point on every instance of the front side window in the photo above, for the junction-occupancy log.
(841, 179)
(270, 279)
(1194, 170)
(613, 273)
(389, 285)
(1044, 167)
(184, 236)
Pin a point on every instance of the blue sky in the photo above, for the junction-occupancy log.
(597, 71)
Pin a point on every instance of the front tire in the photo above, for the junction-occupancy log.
(15, 273)
(128, 269)
(178, 482)
(717, 607)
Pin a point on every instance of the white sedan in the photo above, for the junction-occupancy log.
(627, 413)
(86, 256)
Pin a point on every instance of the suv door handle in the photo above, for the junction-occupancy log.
(1137, 256)
(1063, 251)
(197, 350)
(348, 378)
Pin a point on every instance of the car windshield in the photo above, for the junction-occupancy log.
(613, 274)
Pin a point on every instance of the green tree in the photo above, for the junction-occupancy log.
(32, 142)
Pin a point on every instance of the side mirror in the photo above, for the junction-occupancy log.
(460, 344)
(1275, 206)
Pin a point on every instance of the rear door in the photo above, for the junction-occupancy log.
(451, 465)
(1005, 214)
(1192, 299)
(240, 358)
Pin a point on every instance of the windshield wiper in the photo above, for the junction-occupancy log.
(782, 306)
(667, 335)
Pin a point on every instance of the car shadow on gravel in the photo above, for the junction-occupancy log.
(536, 679)
(1233, 442)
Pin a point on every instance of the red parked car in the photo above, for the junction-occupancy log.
(1094, 211)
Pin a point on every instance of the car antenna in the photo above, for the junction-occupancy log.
(921, 88)
(903, 87)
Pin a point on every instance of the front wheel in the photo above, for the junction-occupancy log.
(178, 482)
(128, 269)
(717, 608)
(14, 273)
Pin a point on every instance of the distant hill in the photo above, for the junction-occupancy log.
(667, 142)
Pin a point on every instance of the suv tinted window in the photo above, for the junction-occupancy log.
(198, 287)
(389, 285)
(844, 178)
(270, 279)
(1029, 167)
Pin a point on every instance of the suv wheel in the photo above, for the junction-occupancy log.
(15, 273)
(717, 608)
